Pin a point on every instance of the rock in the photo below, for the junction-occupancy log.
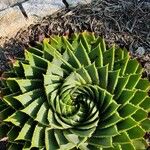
(17, 14)
(4, 4)
(41, 8)
(75, 2)
(140, 51)
(11, 20)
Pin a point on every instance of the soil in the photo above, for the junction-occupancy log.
(123, 22)
(3, 145)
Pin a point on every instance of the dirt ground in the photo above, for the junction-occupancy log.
(124, 22)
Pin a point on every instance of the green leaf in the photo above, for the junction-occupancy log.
(50, 139)
(129, 146)
(89, 36)
(28, 97)
(18, 118)
(96, 56)
(26, 85)
(27, 131)
(139, 132)
(98, 41)
(85, 75)
(84, 42)
(127, 110)
(126, 124)
(122, 81)
(52, 79)
(140, 115)
(26, 145)
(119, 54)
(12, 84)
(38, 136)
(5, 91)
(132, 66)
(139, 69)
(112, 80)
(35, 60)
(42, 114)
(146, 124)
(6, 112)
(56, 42)
(54, 69)
(53, 121)
(108, 58)
(107, 100)
(67, 43)
(110, 121)
(122, 138)
(133, 80)
(106, 132)
(72, 138)
(18, 69)
(82, 55)
(2, 105)
(74, 40)
(35, 51)
(146, 104)
(62, 141)
(3, 130)
(15, 146)
(61, 61)
(125, 96)
(34, 107)
(101, 97)
(11, 101)
(140, 144)
(83, 133)
(103, 44)
(101, 142)
(70, 92)
(121, 64)
(92, 71)
(112, 108)
(39, 45)
(143, 84)
(33, 72)
(93, 147)
(71, 58)
(13, 133)
(139, 97)
(103, 76)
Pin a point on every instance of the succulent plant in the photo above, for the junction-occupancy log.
(75, 93)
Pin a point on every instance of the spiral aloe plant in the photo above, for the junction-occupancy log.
(74, 93)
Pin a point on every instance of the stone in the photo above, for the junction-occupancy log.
(41, 8)
(11, 20)
(13, 17)
(140, 51)
(4, 4)
(75, 2)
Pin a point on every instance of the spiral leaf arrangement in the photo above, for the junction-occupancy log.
(73, 93)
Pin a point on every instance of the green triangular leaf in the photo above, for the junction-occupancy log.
(82, 55)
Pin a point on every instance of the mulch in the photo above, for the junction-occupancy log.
(123, 22)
